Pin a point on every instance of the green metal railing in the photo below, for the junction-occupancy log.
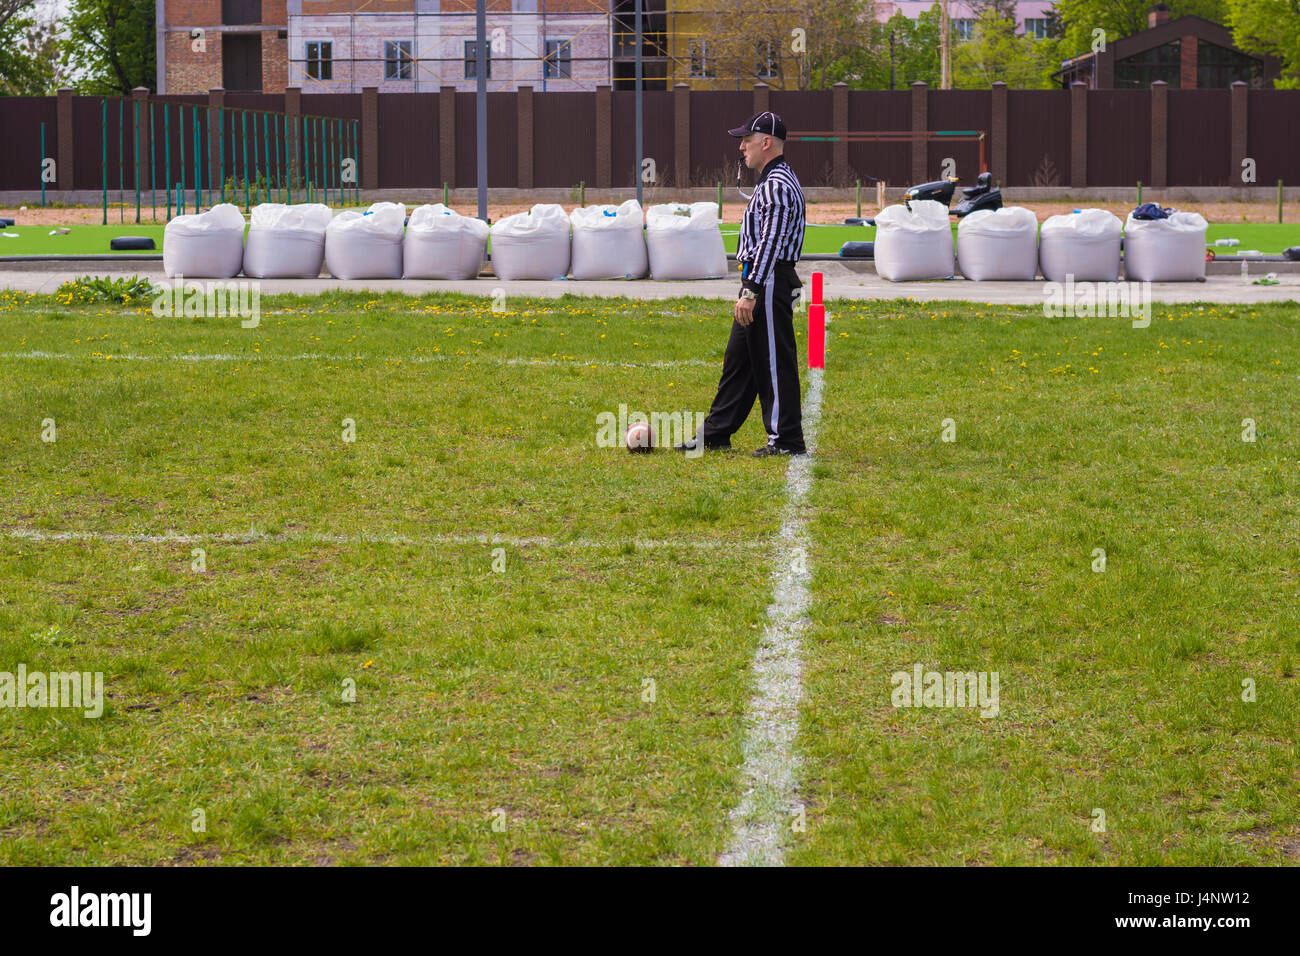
(267, 156)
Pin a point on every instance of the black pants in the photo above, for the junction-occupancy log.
(762, 362)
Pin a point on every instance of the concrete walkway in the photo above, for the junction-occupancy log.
(842, 280)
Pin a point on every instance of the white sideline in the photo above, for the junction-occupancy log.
(762, 819)
(309, 356)
(253, 536)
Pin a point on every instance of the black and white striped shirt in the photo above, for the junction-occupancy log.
(773, 226)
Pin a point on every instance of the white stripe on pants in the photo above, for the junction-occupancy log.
(775, 425)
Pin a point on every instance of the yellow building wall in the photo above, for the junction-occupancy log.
(687, 22)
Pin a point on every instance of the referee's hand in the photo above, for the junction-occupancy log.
(744, 310)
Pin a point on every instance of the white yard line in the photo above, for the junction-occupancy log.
(252, 536)
(762, 820)
(36, 355)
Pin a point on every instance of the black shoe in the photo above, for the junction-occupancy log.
(769, 450)
(690, 445)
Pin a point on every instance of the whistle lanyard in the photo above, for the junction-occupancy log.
(746, 195)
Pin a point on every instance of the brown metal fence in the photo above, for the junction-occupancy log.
(713, 152)
(880, 110)
(1066, 138)
(1116, 120)
(1273, 131)
(20, 160)
(958, 110)
(659, 141)
(415, 117)
(1038, 139)
(1200, 153)
(564, 134)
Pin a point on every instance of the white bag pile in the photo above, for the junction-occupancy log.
(998, 244)
(609, 242)
(366, 245)
(914, 243)
(684, 241)
(532, 245)
(286, 242)
(1165, 250)
(1083, 244)
(206, 245)
(442, 244)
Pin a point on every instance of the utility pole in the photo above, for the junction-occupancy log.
(639, 143)
(945, 41)
(891, 59)
(480, 76)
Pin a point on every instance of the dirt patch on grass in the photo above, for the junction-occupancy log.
(1263, 838)
(328, 855)
(194, 853)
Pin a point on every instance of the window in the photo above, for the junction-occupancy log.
(1139, 71)
(963, 28)
(320, 61)
(237, 12)
(397, 59)
(1037, 27)
(1218, 67)
(558, 60)
(241, 61)
(768, 64)
(702, 59)
(471, 59)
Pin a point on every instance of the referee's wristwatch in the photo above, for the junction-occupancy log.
(748, 294)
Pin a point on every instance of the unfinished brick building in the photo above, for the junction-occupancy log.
(343, 46)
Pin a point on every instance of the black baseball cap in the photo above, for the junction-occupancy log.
(764, 122)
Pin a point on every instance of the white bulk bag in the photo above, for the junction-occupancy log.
(998, 244)
(1165, 250)
(684, 241)
(532, 245)
(609, 242)
(206, 245)
(366, 245)
(286, 242)
(442, 244)
(1083, 244)
(914, 243)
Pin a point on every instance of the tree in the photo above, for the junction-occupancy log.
(1122, 18)
(790, 44)
(110, 43)
(1269, 27)
(1003, 8)
(919, 56)
(11, 8)
(28, 52)
(909, 47)
(995, 53)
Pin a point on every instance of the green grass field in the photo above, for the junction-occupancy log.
(80, 241)
(1268, 238)
(585, 702)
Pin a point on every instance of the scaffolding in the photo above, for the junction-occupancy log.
(420, 51)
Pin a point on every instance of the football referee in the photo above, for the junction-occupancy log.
(761, 359)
